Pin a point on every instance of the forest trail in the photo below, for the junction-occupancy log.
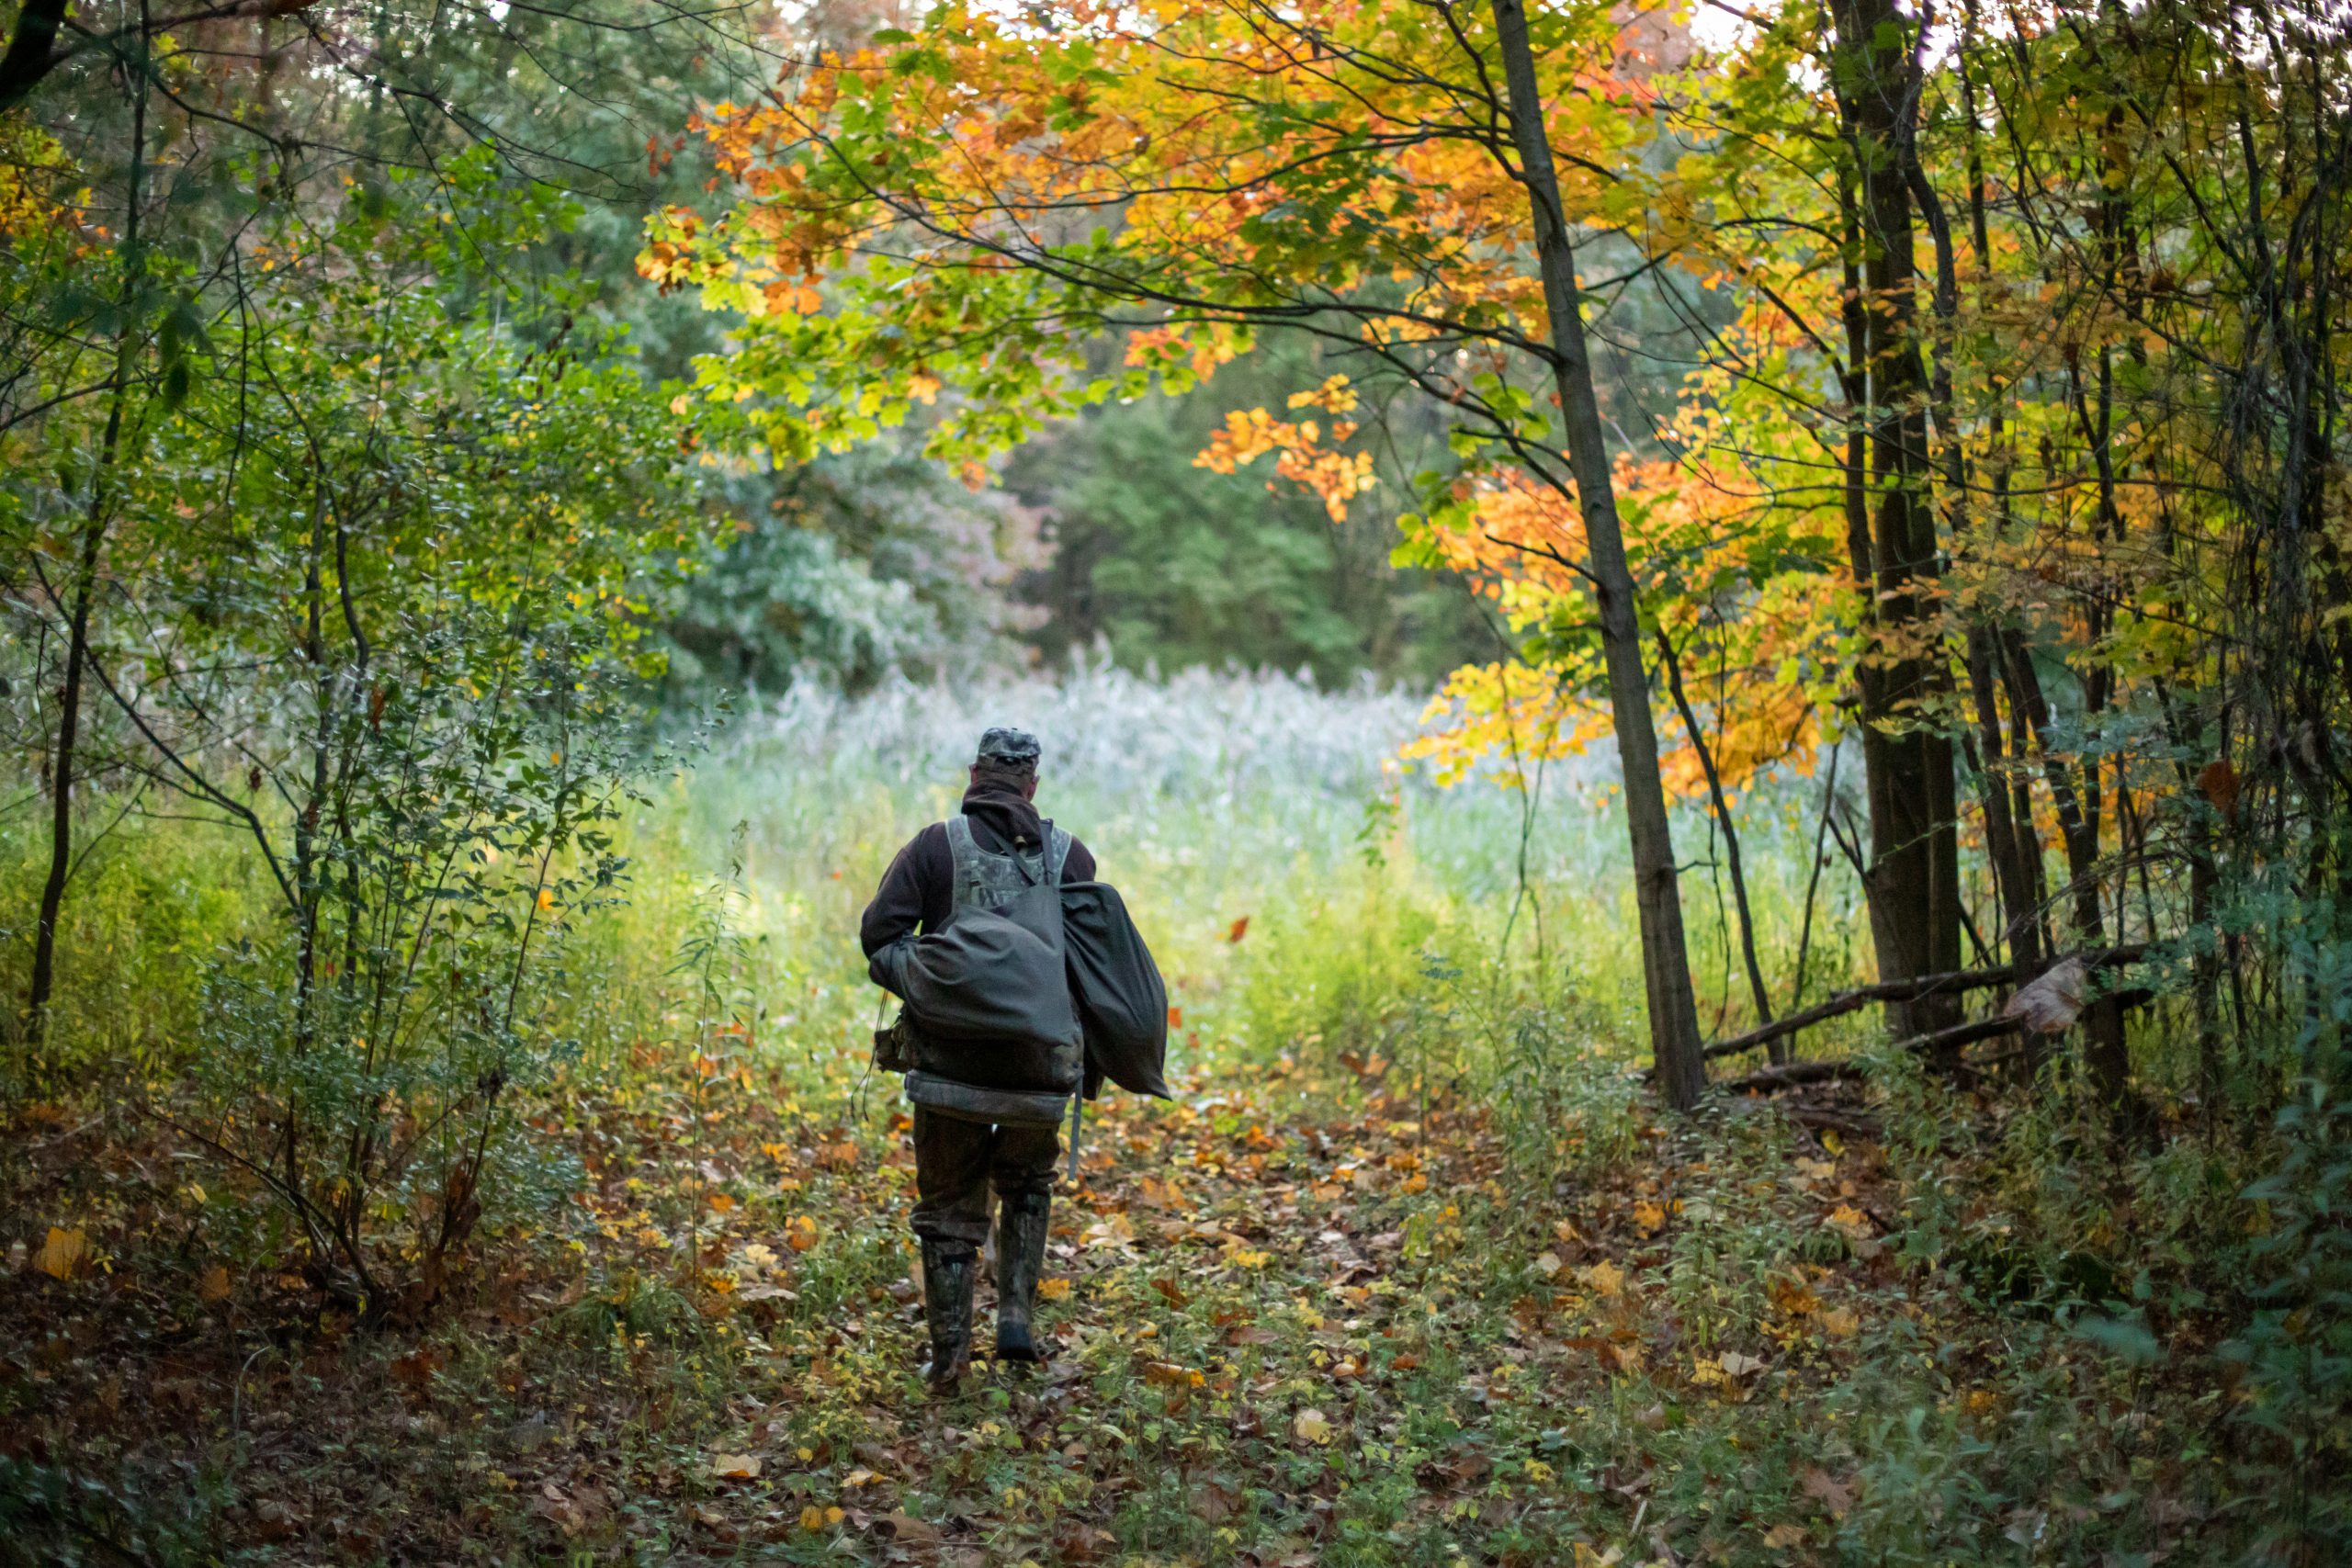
(1295, 1324)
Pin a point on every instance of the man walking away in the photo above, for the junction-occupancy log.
(997, 847)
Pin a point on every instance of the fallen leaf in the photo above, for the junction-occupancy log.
(1110, 1231)
(213, 1285)
(908, 1531)
(736, 1467)
(1737, 1365)
(1650, 1216)
(1312, 1426)
(1547, 1264)
(416, 1368)
(1054, 1290)
(62, 1255)
(1605, 1278)
(1240, 929)
(1781, 1537)
(1841, 1322)
(1826, 1490)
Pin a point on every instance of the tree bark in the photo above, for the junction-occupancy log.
(1681, 1074)
(1914, 882)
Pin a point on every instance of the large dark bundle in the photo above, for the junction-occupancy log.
(1121, 1002)
(990, 998)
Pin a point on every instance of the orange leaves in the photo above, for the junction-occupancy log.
(1301, 456)
(1757, 630)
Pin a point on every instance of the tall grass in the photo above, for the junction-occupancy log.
(1303, 891)
(1370, 896)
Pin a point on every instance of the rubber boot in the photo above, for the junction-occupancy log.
(1020, 1258)
(947, 1274)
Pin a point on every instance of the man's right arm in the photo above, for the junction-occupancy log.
(916, 892)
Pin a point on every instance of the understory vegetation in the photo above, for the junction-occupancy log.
(1413, 1270)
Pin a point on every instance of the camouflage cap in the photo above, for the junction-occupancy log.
(1008, 748)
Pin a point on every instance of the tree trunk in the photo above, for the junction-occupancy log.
(1681, 1073)
(69, 725)
(1756, 991)
(43, 979)
(1914, 882)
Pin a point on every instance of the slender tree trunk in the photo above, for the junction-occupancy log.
(2102, 1021)
(2003, 835)
(1682, 1072)
(43, 979)
(1761, 997)
(69, 727)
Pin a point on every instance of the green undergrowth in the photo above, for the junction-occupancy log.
(1413, 1271)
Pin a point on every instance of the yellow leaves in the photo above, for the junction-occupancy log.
(1604, 1278)
(1171, 1374)
(1334, 396)
(1052, 1290)
(1841, 1322)
(1311, 1427)
(1650, 1215)
(800, 1232)
(1726, 1371)
(813, 1517)
(213, 1285)
(1852, 1220)
(735, 1467)
(64, 1254)
(546, 899)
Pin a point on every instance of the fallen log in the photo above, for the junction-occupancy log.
(1954, 981)
(1792, 1075)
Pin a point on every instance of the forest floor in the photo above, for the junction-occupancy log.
(1295, 1323)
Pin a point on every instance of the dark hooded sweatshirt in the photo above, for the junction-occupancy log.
(919, 889)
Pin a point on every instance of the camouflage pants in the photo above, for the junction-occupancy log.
(956, 1162)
